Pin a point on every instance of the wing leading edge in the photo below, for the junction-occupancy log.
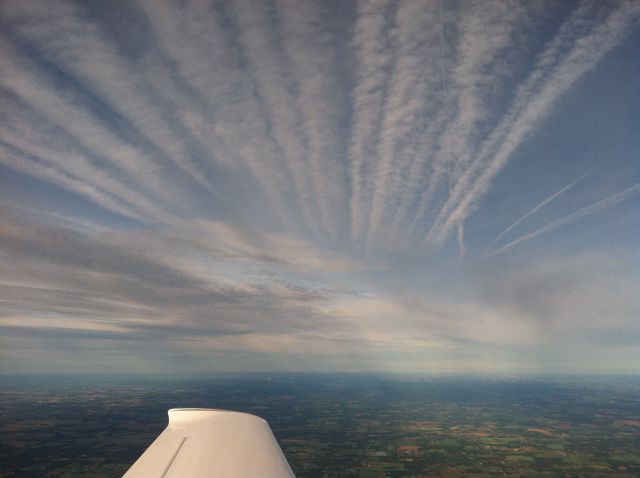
(201, 442)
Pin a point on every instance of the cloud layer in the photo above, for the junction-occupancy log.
(241, 182)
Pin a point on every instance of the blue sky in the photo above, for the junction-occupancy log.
(392, 186)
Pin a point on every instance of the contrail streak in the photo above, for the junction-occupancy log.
(27, 165)
(410, 89)
(461, 247)
(539, 206)
(554, 75)
(373, 57)
(311, 59)
(443, 70)
(573, 217)
(195, 40)
(450, 142)
(275, 87)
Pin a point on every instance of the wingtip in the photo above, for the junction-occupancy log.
(181, 416)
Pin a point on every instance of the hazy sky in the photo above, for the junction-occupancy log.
(246, 185)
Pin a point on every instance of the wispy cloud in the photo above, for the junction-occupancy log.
(565, 59)
(220, 107)
(253, 90)
(57, 76)
(290, 177)
(80, 48)
(19, 161)
(461, 247)
(488, 31)
(312, 60)
(573, 217)
(372, 60)
(275, 88)
(410, 93)
(56, 156)
(539, 206)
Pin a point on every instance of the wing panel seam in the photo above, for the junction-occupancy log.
(173, 458)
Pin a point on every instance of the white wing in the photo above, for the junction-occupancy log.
(200, 442)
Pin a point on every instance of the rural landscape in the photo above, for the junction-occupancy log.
(338, 425)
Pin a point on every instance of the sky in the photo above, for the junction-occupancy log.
(320, 186)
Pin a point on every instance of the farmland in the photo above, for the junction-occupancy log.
(338, 425)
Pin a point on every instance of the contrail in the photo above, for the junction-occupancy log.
(18, 162)
(372, 56)
(410, 89)
(29, 137)
(283, 115)
(540, 206)
(443, 70)
(573, 217)
(91, 58)
(194, 41)
(555, 74)
(310, 58)
(461, 247)
(465, 109)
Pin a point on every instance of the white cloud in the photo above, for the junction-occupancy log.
(538, 207)
(594, 208)
(372, 59)
(278, 164)
(565, 60)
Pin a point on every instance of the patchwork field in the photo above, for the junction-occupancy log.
(336, 426)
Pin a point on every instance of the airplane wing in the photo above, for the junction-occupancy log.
(201, 442)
